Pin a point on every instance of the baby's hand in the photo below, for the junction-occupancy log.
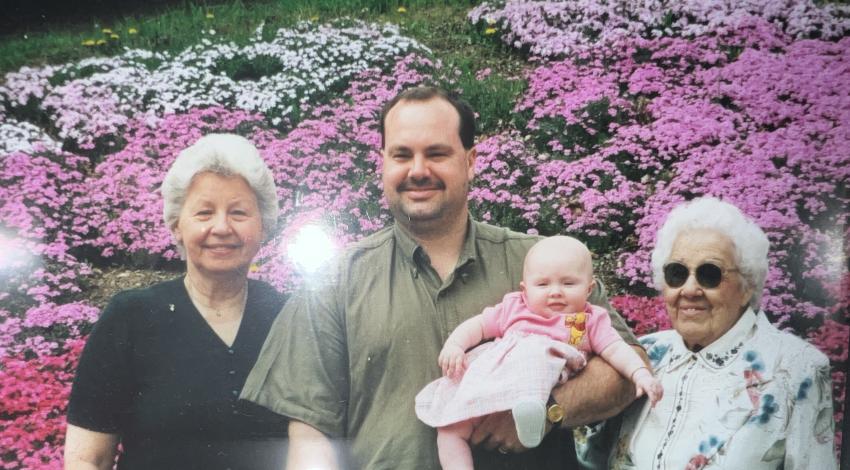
(646, 383)
(452, 360)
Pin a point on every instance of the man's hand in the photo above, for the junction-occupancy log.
(497, 431)
(452, 360)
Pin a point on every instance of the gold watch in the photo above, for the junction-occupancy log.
(554, 411)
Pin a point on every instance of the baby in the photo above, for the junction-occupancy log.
(544, 327)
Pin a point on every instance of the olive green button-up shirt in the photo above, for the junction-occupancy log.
(347, 355)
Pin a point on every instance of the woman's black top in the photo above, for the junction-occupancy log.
(156, 374)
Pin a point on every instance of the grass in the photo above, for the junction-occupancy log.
(173, 28)
(439, 24)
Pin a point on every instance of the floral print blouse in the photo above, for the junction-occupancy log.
(757, 398)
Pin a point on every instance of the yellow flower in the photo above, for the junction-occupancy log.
(210, 16)
(88, 42)
(402, 10)
(132, 31)
(100, 42)
(106, 31)
(490, 31)
(114, 36)
(314, 18)
(254, 267)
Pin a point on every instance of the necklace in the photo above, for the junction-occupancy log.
(209, 310)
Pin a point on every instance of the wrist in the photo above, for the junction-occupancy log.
(450, 343)
(642, 370)
(554, 412)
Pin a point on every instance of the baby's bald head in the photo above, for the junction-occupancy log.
(562, 249)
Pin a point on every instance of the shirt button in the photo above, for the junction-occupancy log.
(235, 393)
(230, 351)
(231, 372)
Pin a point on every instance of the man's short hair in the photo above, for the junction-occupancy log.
(425, 93)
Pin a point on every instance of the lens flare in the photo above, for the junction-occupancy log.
(311, 248)
(13, 254)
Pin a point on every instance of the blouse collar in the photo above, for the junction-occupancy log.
(721, 352)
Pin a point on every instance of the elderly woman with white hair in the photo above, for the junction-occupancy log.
(742, 394)
(163, 367)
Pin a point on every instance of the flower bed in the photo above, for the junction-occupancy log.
(628, 111)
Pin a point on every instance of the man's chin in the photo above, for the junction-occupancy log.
(419, 217)
(411, 213)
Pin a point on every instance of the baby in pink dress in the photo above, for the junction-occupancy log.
(543, 331)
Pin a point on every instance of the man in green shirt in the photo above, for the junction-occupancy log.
(347, 357)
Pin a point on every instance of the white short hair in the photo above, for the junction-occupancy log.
(225, 155)
(748, 239)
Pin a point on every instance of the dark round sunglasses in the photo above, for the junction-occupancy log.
(708, 275)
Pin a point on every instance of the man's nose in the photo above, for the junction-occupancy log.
(419, 168)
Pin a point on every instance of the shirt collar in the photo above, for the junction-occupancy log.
(413, 252)
(721, 352)
(405, 242)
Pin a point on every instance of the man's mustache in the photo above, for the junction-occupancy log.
(409, 184)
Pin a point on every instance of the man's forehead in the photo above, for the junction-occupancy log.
(434, 122)
(438, 106)
(437, 147)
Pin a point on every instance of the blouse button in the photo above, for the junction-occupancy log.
(235, 393)
(230, 351)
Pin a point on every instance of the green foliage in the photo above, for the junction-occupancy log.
(439, 24)
(177, 27)
(242, 68)
(581, 138)
(491, 96)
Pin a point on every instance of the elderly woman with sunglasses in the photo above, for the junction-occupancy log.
(742, 394)
(162, 370)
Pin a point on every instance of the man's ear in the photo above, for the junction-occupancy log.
(471, 157)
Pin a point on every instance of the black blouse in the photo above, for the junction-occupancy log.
(156, 374)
